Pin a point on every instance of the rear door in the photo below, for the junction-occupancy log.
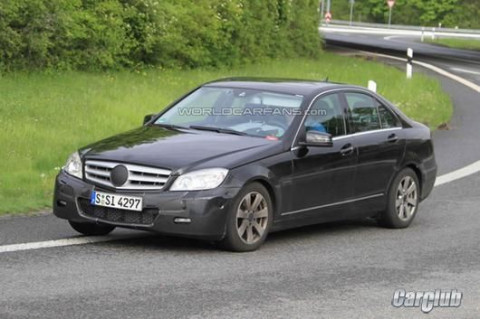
(379, 139)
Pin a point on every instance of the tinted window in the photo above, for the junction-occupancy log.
(326, 115)
(363, 112)
(387, 118)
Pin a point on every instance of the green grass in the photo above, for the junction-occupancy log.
(46, 116)
(467, 44)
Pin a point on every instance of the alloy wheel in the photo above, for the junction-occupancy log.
(406, 198)
(252, 217)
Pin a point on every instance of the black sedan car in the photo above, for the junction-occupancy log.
(235, 159)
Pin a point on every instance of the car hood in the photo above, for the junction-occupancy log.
(180, 150)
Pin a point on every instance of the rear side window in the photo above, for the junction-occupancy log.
(363, 110)
(387, 119)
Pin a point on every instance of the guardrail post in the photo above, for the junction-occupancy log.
(423, 34)
(322, 11)
(372, 86)
(352, 3)
(409, 63)
(433, 33)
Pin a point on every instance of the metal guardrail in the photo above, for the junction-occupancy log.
(399, 27)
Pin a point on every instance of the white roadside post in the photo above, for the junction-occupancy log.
(372, 86)
(433, 33)
(409, 63)
(423, 34)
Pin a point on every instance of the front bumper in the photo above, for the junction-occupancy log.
(206, 210)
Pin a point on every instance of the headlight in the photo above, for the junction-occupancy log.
(74, 165)
(200, 180)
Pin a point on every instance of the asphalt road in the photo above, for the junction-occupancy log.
(341, 270)
(399, 43)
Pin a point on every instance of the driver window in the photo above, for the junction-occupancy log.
(326, 116)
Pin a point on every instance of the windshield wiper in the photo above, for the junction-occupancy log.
(171, 126)
(217, 129)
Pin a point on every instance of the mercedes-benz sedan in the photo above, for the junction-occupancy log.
(235, 159)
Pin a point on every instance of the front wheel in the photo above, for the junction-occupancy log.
(91, 229)
(403, 200)
(249, 219)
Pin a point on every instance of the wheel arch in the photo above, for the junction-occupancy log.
(268, 186)
(414, 167)
(417, 171)
(264, 176)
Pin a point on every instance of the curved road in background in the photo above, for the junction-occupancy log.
(398, 44)
(342, 270)
(458, 146)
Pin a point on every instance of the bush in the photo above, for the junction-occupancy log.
(113, 34)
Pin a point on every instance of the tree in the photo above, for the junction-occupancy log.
(434, 11)
(464, 15)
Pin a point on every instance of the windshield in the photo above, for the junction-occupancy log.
(230, 110)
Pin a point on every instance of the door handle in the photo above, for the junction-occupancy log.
(347, 150)
(392, 138)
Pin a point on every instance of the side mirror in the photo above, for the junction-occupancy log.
(318, 139)
(148, 118)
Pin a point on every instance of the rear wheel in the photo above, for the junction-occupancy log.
(91, 229)
(249, 219)
(403, 200)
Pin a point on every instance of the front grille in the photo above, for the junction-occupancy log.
(114, 215)
(139, 177)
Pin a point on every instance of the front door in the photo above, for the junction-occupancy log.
(323, 177)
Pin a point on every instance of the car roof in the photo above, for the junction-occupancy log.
(279, 85)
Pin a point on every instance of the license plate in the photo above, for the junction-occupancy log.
(116, 201)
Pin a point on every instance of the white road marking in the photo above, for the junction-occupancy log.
(63, 242)
(452, 76)
(441, 180)
(390, 37)
(465, 71)
(459, 173)
(433, 68)
(464, 171)
(379, 31)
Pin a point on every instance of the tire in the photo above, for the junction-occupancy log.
(403, 200)
(91, 229)
(249, 219)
